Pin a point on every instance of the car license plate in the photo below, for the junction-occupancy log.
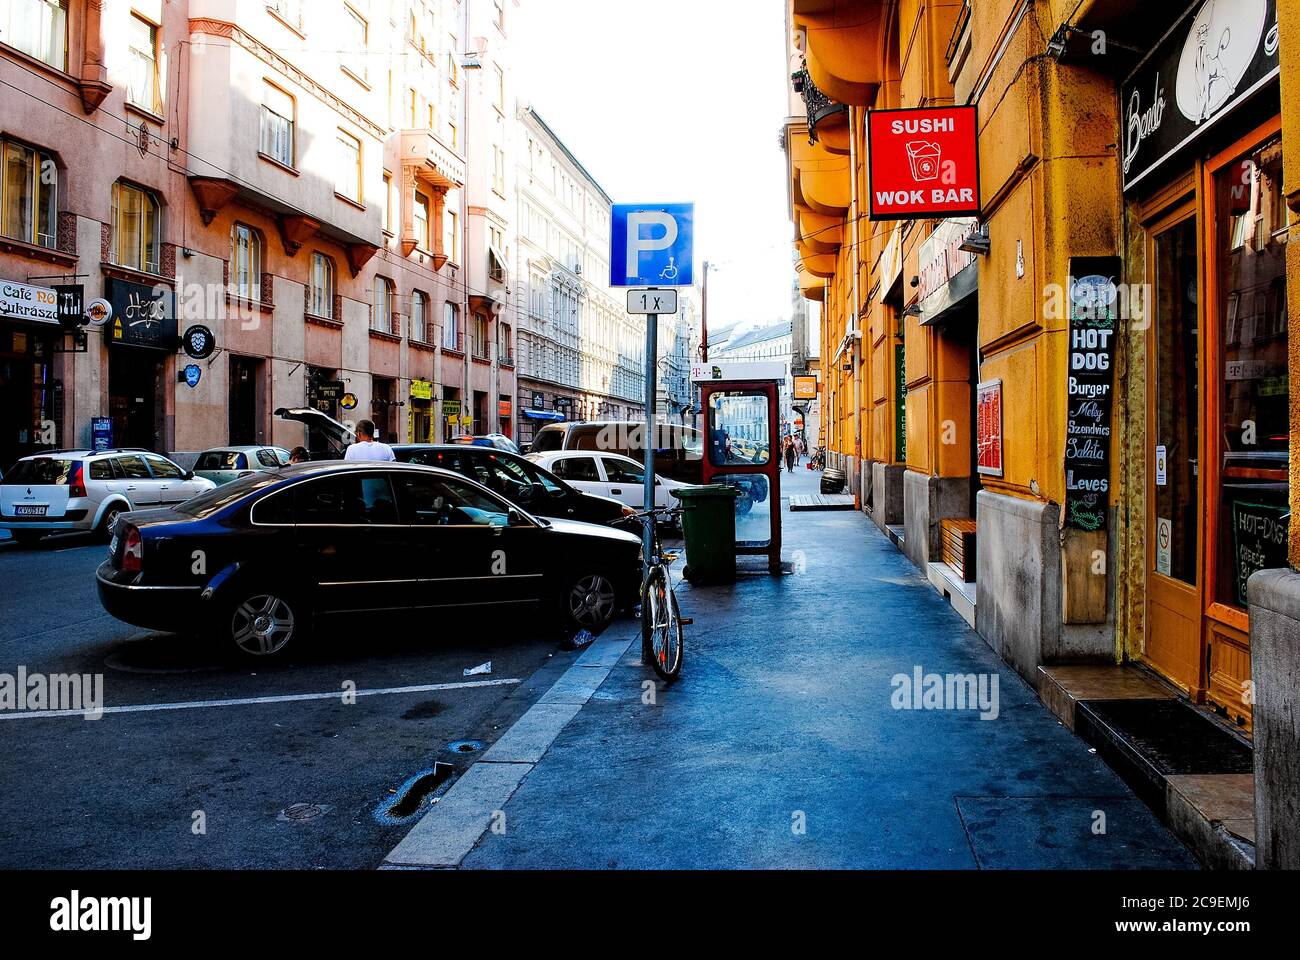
(30, 510)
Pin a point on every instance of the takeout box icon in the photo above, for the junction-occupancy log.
(923, 158)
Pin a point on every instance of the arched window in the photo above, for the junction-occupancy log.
(136, 231)
(245, 262)
(320, 301)
(381, 313)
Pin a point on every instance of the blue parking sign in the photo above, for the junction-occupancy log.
(652, 245)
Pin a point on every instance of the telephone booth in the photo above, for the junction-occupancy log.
(742, 447)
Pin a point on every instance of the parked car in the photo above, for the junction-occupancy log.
(87, 489)
(679, 449)
(286, 546)
(223, 464)
(608, 474)
(522, 482)
(498, 440)
(327, 438)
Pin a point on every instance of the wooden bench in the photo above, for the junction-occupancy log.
(958, 547)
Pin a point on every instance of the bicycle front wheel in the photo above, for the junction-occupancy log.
(661, 625)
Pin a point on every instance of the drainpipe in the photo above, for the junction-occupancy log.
(854, 113)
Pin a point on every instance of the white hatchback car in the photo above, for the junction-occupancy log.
(87, 489)
(607, 474)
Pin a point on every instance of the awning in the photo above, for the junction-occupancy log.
(543, 415)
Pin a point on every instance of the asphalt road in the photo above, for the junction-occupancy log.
(132, 789)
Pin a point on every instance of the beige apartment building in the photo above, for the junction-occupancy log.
(581, 357)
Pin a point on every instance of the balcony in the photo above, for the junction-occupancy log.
(828, 121)
(432, 161)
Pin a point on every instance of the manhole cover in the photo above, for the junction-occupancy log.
(465, 746)
(301, 811)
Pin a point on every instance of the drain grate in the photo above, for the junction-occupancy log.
(465, 746)
(408, 799)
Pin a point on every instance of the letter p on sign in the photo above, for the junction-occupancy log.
(651, 245)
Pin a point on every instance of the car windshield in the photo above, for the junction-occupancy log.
(42, 470)
(206, 504)
(547, 440)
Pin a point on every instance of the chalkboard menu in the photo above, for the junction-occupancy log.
(1093, 336)
(1259, 540)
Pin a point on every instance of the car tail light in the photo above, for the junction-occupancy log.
(77, 482)
(132, 550)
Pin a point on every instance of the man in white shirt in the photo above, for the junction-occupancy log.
(367, 447)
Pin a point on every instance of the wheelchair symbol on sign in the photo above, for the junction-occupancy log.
(669, 272)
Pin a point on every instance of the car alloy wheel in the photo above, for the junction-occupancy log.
(591, 601)
(262, 625)
(110, 518)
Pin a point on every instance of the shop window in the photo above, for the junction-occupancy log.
(136, 228)
(1252, 433)
(39, 28)
(245, 262)
(144, 88)
(1177, 406)
(278, 113)
(29, 195)
(321, 297)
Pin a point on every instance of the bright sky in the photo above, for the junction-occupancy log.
(676, 100)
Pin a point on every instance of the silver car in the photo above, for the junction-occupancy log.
(223, 464)
(86, 490)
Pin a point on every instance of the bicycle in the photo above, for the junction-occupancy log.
(662, 642)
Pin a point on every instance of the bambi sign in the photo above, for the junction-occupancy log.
(923, 163)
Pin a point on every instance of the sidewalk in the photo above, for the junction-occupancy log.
(783, 719)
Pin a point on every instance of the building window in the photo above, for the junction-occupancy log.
(278, 114)
(39, 28)
(29, 195)
(348, 183)
(480, 336)
(505, 348)
(453, 136)
(245, 262)
(321, 298)
(354, 43)
(144, 89)
(451, 325)
(290, 11)
(381, 312)
(422, 221)
(386, 214)
(412, 106)
(498, 170)
(500, 88)
(420, 317)
(136, 228)
(450, 246)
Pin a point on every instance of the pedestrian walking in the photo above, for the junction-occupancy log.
(367, 447)
(789, 455)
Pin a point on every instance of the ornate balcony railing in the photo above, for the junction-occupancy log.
(817, 105)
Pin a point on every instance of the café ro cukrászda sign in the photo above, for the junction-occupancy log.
(1090, 390)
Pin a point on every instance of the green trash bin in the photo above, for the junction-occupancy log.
(709, 528)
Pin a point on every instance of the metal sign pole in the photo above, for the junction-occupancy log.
(651, 396)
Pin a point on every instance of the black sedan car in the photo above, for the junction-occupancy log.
(522, 482)
(256, 561)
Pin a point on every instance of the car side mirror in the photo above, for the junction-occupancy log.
(189, 474)
(515, 519)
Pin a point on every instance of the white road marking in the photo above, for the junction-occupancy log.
(247, 701)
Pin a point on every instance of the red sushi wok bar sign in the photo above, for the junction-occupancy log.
(923, 163)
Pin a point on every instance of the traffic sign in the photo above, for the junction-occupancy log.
(652, 301)
(651, 245)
